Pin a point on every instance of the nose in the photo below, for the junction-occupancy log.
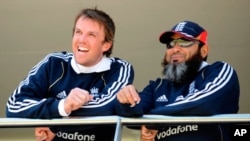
(176, 48)
(81, 38)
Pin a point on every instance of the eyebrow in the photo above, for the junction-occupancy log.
(94, 32)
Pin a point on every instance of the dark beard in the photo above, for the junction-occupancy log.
(183, 72)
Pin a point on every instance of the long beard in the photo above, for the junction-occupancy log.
(182, 72)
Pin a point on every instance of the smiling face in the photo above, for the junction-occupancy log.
(183, 58)
(88, 43)
(178, 54)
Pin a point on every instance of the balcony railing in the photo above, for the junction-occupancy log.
(124, 121)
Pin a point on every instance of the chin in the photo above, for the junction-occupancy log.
(177, 62)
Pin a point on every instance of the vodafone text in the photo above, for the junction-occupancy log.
(177, 130)
(76, 136)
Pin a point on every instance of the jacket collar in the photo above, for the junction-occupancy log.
(203, 65)
(103, 65)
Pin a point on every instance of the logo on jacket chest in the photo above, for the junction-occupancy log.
(94, 91)
(192, 88)
(61, 95)
(162, 98)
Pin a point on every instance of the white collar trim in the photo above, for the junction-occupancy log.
(203, 64)
(103, 65)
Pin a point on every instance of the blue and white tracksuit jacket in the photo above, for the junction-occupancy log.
(215, 90)
(49, 82)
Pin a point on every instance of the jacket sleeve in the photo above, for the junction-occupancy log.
(31, 99)
(218, 94)
(145, 105)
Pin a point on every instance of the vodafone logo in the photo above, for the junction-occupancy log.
(177, 130)
(75, 136)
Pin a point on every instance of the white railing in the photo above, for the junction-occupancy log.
(123, 121)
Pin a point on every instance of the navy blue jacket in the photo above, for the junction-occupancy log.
(215, 90)
(51, 80)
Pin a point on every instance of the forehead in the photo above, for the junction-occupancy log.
(88, 23)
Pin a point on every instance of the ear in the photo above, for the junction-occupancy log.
(106, 46)
(204, 51)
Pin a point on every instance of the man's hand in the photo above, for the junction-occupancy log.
(76, 99)
(147, 134)
(128, 95)
(44, 134)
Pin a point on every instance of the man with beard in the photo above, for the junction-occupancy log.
(190, 87)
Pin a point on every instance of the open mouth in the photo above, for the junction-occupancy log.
(82, 49)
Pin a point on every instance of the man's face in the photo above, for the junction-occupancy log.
(88, 42)
(180, 50)
(182, 60)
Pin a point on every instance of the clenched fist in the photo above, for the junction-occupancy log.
(128, 95)
(76, 99)
(44, 134)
